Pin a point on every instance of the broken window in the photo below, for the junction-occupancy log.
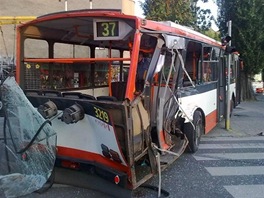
(27, 141)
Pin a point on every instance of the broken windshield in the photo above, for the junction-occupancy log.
(27, 141)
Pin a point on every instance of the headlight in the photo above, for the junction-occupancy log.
(73, 114)
(48, 109)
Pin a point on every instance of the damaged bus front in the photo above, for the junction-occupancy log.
(78, 70)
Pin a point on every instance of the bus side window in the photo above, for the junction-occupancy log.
(210, 61)
(189, 66)
(207, 72)
(191, 62)
(206, 66)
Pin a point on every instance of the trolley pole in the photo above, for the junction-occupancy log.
(228, 104)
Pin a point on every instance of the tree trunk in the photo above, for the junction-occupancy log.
(247, 92)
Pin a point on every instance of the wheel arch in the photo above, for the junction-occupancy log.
(203, 116)
(190, 130)
(199, 109)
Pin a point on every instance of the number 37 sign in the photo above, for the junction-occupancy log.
(110, 29)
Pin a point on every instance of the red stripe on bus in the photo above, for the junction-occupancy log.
(75, 154)
(210, 121)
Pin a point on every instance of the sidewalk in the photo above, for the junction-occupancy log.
(247, 120)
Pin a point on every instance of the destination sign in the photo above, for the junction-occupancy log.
(107, 29)
(113, 29)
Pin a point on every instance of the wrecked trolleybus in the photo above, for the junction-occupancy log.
(79, 70)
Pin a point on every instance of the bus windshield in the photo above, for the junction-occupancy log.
(79, 53)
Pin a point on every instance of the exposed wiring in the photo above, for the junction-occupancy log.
(183, 67)
(167, 151)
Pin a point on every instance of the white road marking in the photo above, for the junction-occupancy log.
(231, 146)
(212, 139)
(229, 156)
(246, 191)
(237, 191)
(236, 171)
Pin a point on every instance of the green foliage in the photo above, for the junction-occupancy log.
(184, 12)
(169, 10)
(212, 34)
(247, 30)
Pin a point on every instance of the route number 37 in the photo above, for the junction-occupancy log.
(107, 29)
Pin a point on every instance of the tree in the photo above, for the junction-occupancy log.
(203, 16)
(169, 10)
(247, 36)
(212, 34)
(184, 12)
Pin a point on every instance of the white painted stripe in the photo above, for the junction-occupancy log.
(246, 191)
(231, 146)
(204, 139)
(237, 170)
(229, 156)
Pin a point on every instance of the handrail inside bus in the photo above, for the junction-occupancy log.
(73, 60)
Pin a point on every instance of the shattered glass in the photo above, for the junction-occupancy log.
(27, 144)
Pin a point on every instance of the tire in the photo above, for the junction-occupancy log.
(194, 135)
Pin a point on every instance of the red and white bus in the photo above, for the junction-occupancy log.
(79, 68)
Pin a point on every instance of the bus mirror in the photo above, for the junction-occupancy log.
(160, 63)
(48, 109)
(73, 114)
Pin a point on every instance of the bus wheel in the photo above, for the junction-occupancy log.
(194, 134)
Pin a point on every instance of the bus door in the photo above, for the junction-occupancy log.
(221, 89)
(164, 93)
(237, 79)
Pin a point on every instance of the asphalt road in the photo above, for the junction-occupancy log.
(229, 163)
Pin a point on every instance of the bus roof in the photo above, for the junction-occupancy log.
(166, 27)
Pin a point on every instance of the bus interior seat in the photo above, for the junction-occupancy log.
(119, 90)
(107, 98)
(73, 95)
(32, 92)
(87, 97)
(52, 93)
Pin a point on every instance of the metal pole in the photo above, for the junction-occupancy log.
(228, 104)
(66, 5)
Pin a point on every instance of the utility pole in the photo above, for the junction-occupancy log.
(66, 5)
(91, 4)
(228, 104)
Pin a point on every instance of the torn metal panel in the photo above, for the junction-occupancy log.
(28, 144)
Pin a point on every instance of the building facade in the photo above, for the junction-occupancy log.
(42, 7)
